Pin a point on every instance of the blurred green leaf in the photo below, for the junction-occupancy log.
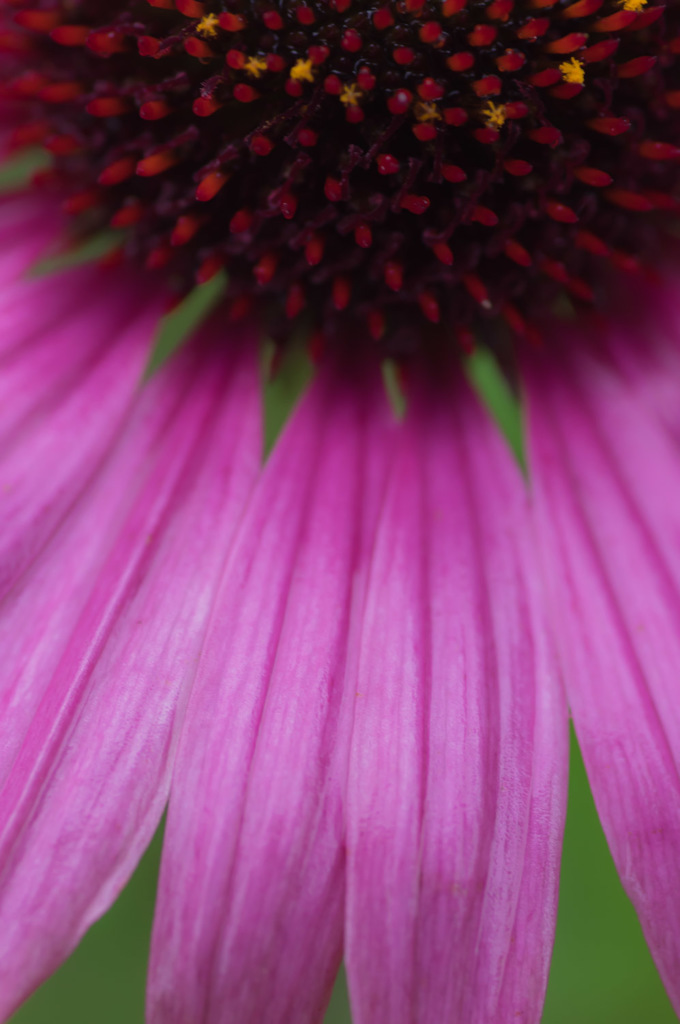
(392, 385)
(486, 377)
(16, 171)
(96, 247)
(285, 378)
(176, 327)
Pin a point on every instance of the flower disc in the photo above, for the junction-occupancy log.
(397, 162)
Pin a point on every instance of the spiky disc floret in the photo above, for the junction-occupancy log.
(453, 160)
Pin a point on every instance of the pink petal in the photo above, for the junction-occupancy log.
(456, 790)
(64, 398)
(607, 480)
(49, 361)
(29, 227)
(29, 307)
(102, 640)
(647, 354)
(249, 922)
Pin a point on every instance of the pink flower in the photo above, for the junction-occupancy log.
(348, 669)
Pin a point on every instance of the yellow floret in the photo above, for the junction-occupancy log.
(573, 71)
(350, 95)
(208, 25)
(427, 112)
(494, 115)
(255, 66)
(302, 71)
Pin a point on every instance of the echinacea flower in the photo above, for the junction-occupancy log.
(347, 668)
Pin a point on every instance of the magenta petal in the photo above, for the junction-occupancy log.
(100, 642)
(64, 396)
(49, 362)
(31, 307)
(648, 355)
(606, 474)
(29, 227)
(249, 921)
(458, 770)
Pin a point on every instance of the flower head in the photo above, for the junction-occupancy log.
(350, 662)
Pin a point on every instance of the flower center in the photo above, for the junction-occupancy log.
(447, 161)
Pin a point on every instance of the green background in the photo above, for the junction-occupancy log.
(601, 969)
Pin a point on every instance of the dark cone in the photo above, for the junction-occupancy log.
(410, 162)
